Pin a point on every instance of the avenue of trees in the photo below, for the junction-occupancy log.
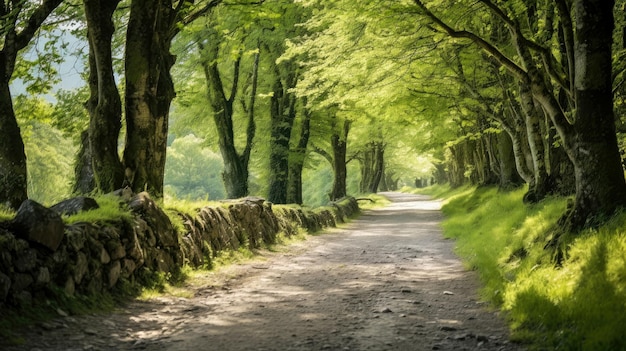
(290, 99)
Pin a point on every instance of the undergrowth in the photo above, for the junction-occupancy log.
(111, 209)
(577, 305)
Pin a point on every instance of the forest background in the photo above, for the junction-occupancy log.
(306, 101)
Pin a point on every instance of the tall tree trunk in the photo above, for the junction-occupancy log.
(541, 185)
(600, 186)
(296, 163)
(104, 105)
(142, 77)
(149, 89)
(372, 164)
(509, 177)
(235, 174)
(13, 180)
(339, 143)
(283, 113)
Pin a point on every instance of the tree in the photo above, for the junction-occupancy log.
(19, 21)
(589, 137)
(104, 104)
(297, 158)
(235, 175)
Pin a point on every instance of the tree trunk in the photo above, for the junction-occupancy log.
(600, 186)
(283, 113)
(84, 180)
(541, 185)
(509, 178)
(104, 105)
(296, 164)
(235, 173)
(141, 68)
(149, 92)
(339, 144)
(372, 167)
(13, 180)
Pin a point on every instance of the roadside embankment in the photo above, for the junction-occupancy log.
(44, 252)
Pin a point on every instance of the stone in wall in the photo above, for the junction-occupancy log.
(38, 224)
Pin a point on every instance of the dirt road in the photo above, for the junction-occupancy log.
(388, 281)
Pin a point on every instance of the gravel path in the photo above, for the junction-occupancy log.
(388, 281)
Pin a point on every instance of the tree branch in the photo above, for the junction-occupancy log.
(511, 66)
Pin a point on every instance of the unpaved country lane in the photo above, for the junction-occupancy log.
(388, 281)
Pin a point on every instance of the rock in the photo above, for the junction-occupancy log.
(75, 236)
(128, 267)
(39, 224)
(70, 286)
(115, 249)
(448, 293)
(73, 206)
(42, 277)
(386, 310)
(21, 281)
(114, 273)
(80, 267)
(26, 261)
(156, 219)
(447, 328)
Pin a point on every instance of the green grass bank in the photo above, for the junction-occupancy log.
(577, 305)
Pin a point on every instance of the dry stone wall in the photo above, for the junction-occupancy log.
(91, 258)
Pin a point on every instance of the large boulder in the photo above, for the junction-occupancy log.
(73, 206)
(37, 223)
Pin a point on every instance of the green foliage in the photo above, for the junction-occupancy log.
(111, 209)
(6, 213)
(577, 305)
(192, 171)
(50, 156)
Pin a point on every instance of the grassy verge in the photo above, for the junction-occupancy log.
(579, 305)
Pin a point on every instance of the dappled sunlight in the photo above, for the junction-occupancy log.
(387, 271)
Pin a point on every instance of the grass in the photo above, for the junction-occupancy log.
(578, 305)
(6, 214)
(377, 201)
(111, 210)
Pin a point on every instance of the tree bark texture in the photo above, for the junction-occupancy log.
(84, 179)
(339, 143)
(104, 105)
(13, 180)
(541, 185)
(149, 91)
(282, 113)
(296, 162)
(235, 173)
(509, 177)
(372, 163)
(592, 146)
